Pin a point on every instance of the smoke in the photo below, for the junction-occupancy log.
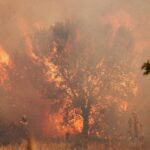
(20, 19)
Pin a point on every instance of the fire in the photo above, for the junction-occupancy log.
(52, 125)
(23, 26)
(123, 106)
(52, 72)
(4, 62)
(4, 57)
(53, 121)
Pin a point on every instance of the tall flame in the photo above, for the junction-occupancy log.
(23, 26)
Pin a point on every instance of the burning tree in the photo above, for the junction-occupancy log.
(91, 79)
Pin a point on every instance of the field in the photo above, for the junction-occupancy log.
(63, 146)
(58, 147)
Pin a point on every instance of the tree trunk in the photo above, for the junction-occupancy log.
(85, 114)
(85, 123)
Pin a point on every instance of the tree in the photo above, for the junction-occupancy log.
(91, 78)
(146, 68)
(79, 68)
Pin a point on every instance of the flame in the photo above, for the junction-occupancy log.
(78, 124)
(127, 81)
(4, 61)
(52, 124)
(123, 106)
(4, 57)
(24, 28)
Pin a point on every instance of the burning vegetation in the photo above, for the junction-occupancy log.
(74, 76)
(66, 66)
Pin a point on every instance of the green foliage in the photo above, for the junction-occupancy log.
(146, 68)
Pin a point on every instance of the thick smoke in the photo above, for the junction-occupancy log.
(19, 19)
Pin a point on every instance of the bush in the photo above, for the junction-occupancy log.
(12, 133)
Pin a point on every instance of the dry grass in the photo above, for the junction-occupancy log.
(54, 146)
(31, 144)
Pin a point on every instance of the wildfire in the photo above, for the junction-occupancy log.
(52, 125)
(52, 72)
(123, 106)
(4, 57)
(4, 61)
(53, 121)
(23, 26)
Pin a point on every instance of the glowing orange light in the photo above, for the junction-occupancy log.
(4, 57)
(123, 106)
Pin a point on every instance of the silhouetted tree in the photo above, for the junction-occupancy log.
(146, 68)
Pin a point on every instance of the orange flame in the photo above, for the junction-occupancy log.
(4, 57)
(123, 106)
